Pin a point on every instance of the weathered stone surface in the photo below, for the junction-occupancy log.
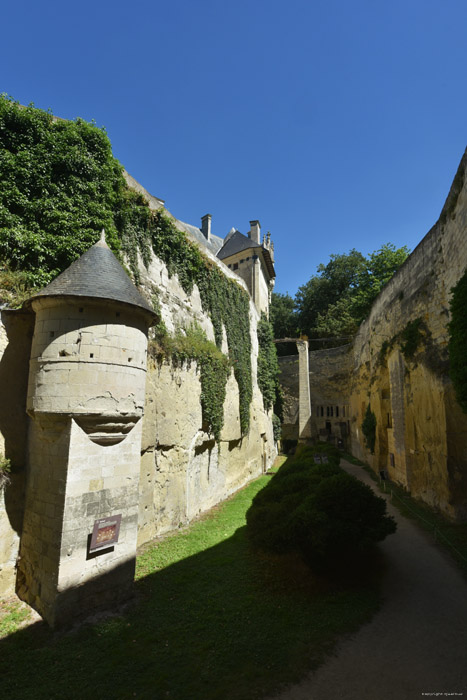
(421, 435)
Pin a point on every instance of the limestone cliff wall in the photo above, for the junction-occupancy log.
(329, 377)
(16, 331)
(183, 471)
(421, 434)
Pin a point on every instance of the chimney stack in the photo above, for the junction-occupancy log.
(206, 226)
(255, 231)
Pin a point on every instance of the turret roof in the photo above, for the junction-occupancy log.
(96, 274)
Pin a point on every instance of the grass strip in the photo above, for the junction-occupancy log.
(212, 620)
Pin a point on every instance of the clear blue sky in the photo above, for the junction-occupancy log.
(337, 124)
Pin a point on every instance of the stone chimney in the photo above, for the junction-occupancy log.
(206, 226)
(255, 231)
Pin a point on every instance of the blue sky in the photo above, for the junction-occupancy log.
(337, 124)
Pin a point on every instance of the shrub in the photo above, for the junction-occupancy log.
(318, 510)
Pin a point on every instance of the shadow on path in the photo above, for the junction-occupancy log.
(219, 624)
(417, 643)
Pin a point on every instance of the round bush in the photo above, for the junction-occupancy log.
(320, 511)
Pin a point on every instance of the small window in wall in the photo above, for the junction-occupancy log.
(391, 460)
(242, 260)
(322, 411)
(337, 411)
(235, 266)
(230, 267)
(343, 411)
(247, 259)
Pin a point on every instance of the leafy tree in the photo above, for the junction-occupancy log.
(60, 186)
(335, 301)
(282, 316)
(335, 283)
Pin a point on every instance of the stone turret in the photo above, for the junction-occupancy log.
(86, 397)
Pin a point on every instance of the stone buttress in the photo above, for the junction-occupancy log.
(85, 397)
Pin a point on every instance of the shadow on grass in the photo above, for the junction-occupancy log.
(222, 624)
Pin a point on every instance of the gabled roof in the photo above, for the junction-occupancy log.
(96, 274)
(237, 242)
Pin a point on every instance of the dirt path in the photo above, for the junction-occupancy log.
(416, 646)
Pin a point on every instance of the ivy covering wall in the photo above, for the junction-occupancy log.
(458, 341)
(61, 185)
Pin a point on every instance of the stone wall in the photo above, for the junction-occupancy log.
(329, 384)
(183, 471)
(421, 436)
(421, 431)
(16, 331)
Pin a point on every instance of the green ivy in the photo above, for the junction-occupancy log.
(5, 470)
(61, 185)
(458, 341)
(411, 337)
(268, 366)
(193, 345)
(369, 429)
(276, 427)
(226, 303)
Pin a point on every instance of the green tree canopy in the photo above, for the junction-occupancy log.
(335, 301)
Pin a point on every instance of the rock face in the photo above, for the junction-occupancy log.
(180, 473)
(183, 470)
(398, 364)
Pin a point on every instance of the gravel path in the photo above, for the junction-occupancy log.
(416, 646)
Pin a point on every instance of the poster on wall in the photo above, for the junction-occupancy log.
(105, 532)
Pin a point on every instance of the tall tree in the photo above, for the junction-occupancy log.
(335, 301)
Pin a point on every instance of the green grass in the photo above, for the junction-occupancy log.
(14, 287)
(13, 613)
(212, 620)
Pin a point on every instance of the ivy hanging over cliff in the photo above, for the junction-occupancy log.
(268, 366)
(61, 185)
(190, 345)
(458, 341)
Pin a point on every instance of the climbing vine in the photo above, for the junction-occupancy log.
(61, 185)
(5, 469)
(411, 337)
(190, 345)
(458, 341)
(369, 429)
(268, 366)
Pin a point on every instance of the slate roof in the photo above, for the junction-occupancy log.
(237, 242)
(213, 245)
(96, 274)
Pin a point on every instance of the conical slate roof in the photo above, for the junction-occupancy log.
(96, 274)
